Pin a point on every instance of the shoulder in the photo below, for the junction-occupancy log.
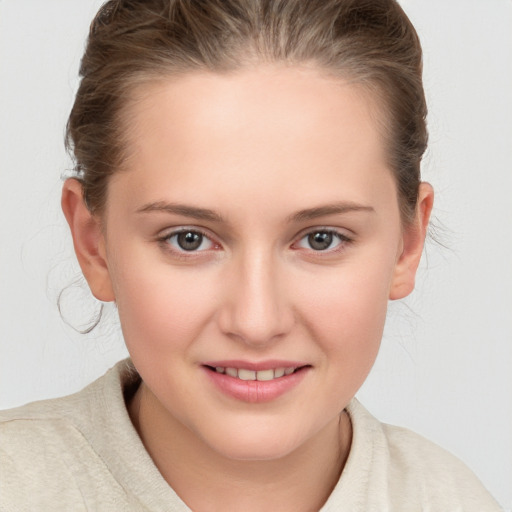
(50, 417)
(51, 454)
(40, 426)
(411, 472)
(429, 471)
(40, 454)
(48, 422)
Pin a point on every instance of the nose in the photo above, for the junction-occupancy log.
(256, 308)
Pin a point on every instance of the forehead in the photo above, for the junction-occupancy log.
(265, 129)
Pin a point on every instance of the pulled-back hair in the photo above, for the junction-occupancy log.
(370, 42)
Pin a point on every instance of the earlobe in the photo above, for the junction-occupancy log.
(88, 240)
(412, 247)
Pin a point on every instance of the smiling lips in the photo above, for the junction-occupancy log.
(261, 375)
(255, 383)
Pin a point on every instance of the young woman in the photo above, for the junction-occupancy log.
(247, 192)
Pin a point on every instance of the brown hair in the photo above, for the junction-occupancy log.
(372, 42)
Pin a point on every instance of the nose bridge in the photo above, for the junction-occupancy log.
(257, 309)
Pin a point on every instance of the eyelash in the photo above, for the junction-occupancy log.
(183, 253)
(343, 241)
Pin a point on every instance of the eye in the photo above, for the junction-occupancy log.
(322, 240)
(189, 240)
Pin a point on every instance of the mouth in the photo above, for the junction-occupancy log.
(247, 374)
(253, 382)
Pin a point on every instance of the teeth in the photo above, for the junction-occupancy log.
(278, 372)
(246, 374)
(232, 372)
(262, 375)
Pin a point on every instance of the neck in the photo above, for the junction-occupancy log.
(206, 480)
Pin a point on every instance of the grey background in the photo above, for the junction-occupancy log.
(445, 365)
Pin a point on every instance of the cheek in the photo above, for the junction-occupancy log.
(160, 306)
(346, 309)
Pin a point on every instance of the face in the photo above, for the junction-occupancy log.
(252, 245)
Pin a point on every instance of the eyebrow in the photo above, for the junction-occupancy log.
(329, 209)
(212, 216)
(182, 209)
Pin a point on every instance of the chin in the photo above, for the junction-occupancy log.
(255, 452)
(250, 443)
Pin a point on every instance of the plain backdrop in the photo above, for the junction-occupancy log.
(445, 365)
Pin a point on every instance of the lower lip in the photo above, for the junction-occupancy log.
(255, 391)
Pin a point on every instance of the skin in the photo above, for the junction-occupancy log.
(255, 147)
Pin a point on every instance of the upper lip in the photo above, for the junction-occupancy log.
(255, 366)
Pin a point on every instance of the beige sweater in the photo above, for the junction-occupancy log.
(81, 453)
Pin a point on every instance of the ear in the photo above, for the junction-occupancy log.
(88, 240)
(413, 239)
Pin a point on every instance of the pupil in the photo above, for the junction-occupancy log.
(190, 241)
(320, 241)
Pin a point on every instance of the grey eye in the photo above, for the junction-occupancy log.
(189, 241)
(320, 240)
(323, 240)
